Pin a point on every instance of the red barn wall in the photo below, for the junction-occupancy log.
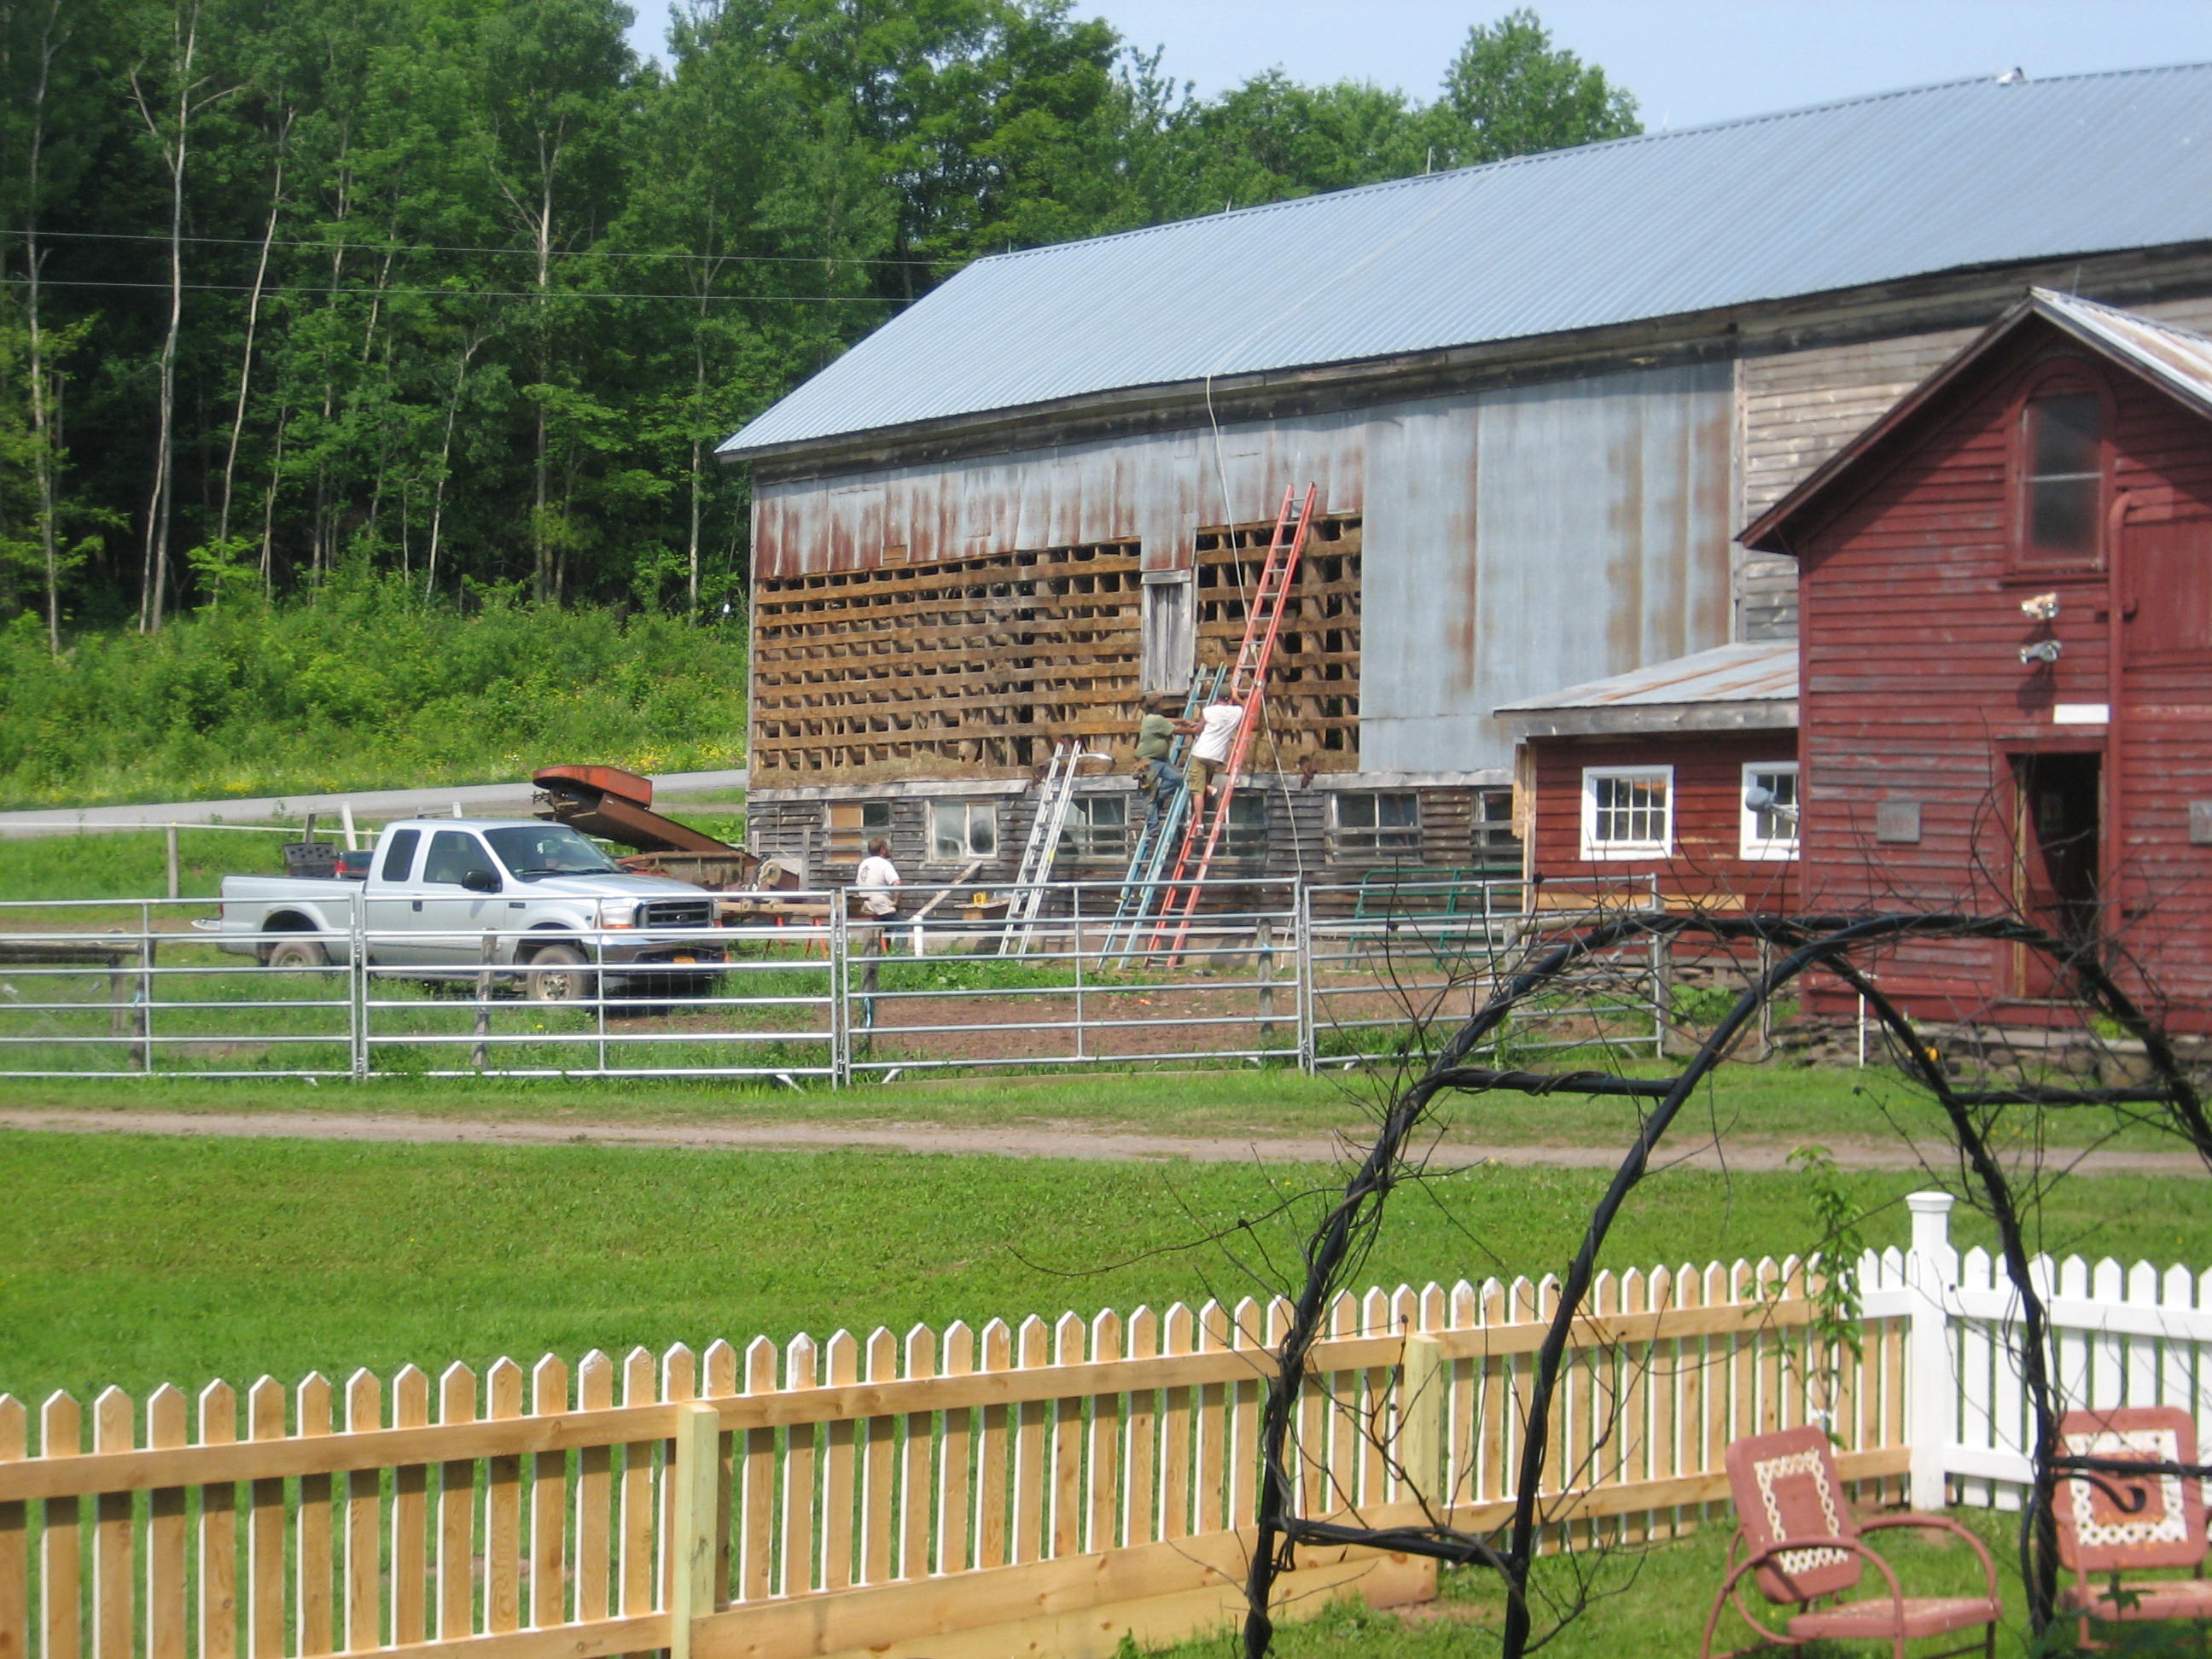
(1708, 869)
(1913, 688)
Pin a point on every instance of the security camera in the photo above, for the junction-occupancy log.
(2043, 651)
(2044, 607)
(1760, 798)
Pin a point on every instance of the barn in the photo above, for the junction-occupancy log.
(2005, 589)
(1537, 399)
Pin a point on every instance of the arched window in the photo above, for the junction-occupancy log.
(2061, 471)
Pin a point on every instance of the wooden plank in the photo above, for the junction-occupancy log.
(994, 1455)
(878, 1482)
(218, 1529)
(647, 1633)
(757, 1519)
(633, 1560)
(917, 1504)
(720, 1382)
(1032, 1473)
(1109, 1425)
(1178, 1335)
(502, 1551)
(314, 1534)
(800, 1492)
(168, 1627)
(265, 1635)
(456, 1495)
(410, 1515)
(15, 1539)
(1064, 1502)
(1140, 1503)
(840, 1486)
(595, 1494)
(364, 1508)
(112, 1555)
(549, 1502)
(956, 1483)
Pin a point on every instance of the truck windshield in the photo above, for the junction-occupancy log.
(552, 850)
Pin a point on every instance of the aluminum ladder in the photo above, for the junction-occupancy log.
(1158, 833)
(1262, 622)
(1054, 799)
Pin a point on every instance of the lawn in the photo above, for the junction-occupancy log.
(133, 1260)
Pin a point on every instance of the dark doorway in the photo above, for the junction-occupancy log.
(2057, 801)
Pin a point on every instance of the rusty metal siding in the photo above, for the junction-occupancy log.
(1534, 538)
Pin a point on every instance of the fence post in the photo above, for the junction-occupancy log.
(1302, 958)
(1423, 1401)
(694, 1468)
(1263, 962)
(841, 995)
(486, 953)
(357, 995)
(171, 833)
(1931, 1275)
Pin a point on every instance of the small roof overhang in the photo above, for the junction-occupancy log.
(2177, 361)
(1743, 687)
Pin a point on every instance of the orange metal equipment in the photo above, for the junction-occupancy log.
(1248, 682)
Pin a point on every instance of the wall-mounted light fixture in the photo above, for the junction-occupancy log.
(2043, 651)
(2044, 607)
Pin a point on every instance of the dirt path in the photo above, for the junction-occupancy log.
(1027, 1140)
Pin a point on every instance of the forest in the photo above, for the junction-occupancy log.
(361, 362)
(462, 293)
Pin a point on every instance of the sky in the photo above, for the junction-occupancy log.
(1688, 62)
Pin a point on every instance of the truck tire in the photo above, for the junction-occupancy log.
(557, 974)
(298, 953)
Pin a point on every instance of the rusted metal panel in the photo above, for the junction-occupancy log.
(1537, 537)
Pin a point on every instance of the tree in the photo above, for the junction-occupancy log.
(1511, 92)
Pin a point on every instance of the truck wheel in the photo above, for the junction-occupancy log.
(557, 974)
(298, 953)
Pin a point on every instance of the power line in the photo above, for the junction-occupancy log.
(457, 293)
(444, 247)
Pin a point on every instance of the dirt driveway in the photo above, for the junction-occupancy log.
(1028, 1140)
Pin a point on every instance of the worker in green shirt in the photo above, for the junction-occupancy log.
(1156, 733)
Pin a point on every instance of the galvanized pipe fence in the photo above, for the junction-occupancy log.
(805, 986)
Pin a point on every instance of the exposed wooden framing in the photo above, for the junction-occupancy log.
(1313, 682)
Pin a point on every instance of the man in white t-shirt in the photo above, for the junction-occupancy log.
(1216, 728)
(876, 881)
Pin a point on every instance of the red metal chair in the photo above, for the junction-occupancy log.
(2123, 1523)
(1805, 1548)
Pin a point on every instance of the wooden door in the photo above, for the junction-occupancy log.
(2058, 815)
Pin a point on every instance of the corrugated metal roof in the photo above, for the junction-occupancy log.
(1869, 190)
(1760, 671)
(2178, 359)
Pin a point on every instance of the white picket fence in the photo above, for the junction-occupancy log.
(2123, 1336)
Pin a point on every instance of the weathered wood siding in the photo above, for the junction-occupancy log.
(1914, 690)
(1708, 869)
(1798, 408)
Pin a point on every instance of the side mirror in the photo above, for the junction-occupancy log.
(480, 881)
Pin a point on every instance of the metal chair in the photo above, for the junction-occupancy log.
(2110, 1524)
(1804, 1548)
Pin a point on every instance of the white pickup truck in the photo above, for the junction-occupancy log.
(559, 908)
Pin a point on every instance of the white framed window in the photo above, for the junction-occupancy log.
(961, 830)
(1375, 824)
(1097, 826)
(1769, 829)
(1628, 811)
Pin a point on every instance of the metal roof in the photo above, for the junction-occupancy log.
(2177, 360)
(1742, 686)
(1872, 190)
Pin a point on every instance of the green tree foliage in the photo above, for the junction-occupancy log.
(461, 294)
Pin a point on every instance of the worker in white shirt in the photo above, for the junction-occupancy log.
(876, 883)
(1215, 731)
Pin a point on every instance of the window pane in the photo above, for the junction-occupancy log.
(1629, 810)
(1768, 823)
(400, 853)
(982, 831)
(2062, 513)
(948, 829)
(2063, 434)
(1355, 812)
(2064, 472)
(876, 817)
(453, 855)
(1400, 812)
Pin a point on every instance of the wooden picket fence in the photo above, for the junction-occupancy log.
(1034, 1490)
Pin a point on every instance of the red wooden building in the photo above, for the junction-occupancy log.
(1685, 771)
(2005, 592)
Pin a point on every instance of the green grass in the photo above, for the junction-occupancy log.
(361, 686)
(1646, 1598)
(132, 1260)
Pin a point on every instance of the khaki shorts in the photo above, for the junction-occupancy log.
(1201, 774)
